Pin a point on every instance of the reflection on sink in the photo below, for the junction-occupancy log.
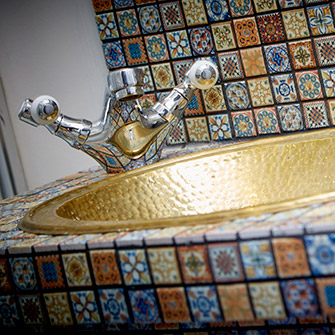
(244, 179)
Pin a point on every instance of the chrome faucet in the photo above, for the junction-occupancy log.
(126, 136)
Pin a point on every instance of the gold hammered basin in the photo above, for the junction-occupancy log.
(235, 181)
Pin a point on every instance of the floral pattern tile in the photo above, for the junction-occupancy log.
(320, 20)
(201, 41)
(31, 309)
(163, 76)
(315, 114)
(270, 28)
(223, 36)
(9, 316)
(302, 55)
(194, 264)
(135, 51)
(246, 32)
(5, 284)
(164, 265)
(50, 271)
(113, 304)
(149, 19)
(197, 129)
(331, 105)
(260, 92)
(235, 302)
(284, 88)
(262, 6)
(309, 85)
(107, 26)
(328, 78)
(295, 24)
(226, 262)
(244, 124)
(172, 15)
(114, 56)
(237, 95)
(173, 304)
(321, 253)
(217, 10)
(326, 293)
(290, 117)
(58, 309)
(240, 8)
(257, 259)
(177, 134)
(76, 269)
(178, 44)
(267, 300)
(253, 61)
(156, 47)
(219, 127)
(325, 50)
(134, 267)
(23, 273)
(144, 306)
(290, 257)
(105, 268)
(214, 99)
(194, 11)
(230, 64)
(266, 120)
(277, 58)
(102, 5)
(204, 303)
(85, 307)
(128, 23)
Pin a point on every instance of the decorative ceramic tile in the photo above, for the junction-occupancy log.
(325, 50)
(164, 265)
(223, 36)
(8, 312)
(219, 127)
(267, 301)
(102, 5)
(194, 12)
(290, 3)
(230, 64)
(213, 98)
(144, 306)
(178, 43)
(270, 28)
(195, 106)
(76, 269)
(113, 304)
(4, 279)
(148, 100)
(321, 253)
(201, 41)
(204, 303)
(240, 8)
(106, 26)
(277, 58)
(309, 85)
(262, 6)
(50, 271)
(290, 117)
(135, 51)
(237, 95)
(300, 298)
(243, 123)
(197, 129)
(260, 92)
(180, 68)
(134, 267)
(58, 309)
(31, 309)
(149, 19)
(315, 114)
(194, 264)
(105, 267)
(320, 20)
(235, 302)
(23, 273)
(114, 56)
(85, 307)
(148, 83)
(326, 292)
(225, 261)
(156, 47)
(128, 23)
(172, 15)
(246, 32)
(253, 61)
(173, 304)
(257, 259)
(331, 105)
(328, 76)
(123, 3)
(163, 76)
(302, 54)
(283, 88)
(266, 120)
(177, 135)
(295, 24)
(217, 10)
(290, 257)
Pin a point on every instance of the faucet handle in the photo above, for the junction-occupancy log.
(44, 110)
(203, 74)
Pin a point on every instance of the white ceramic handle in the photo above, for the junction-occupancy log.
(44, 110)
(203, 74)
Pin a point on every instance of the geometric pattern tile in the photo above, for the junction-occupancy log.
(277, 57)
(237, 95)
(201, 41)
(315, 114)
(262, 6)
(260, 92)
(223, 36)
(230, 64)
(156, 47)
(270, 28)
(76, 269)
(217, 10)
(246, 32)
(214, 99)
(23, 273)
(4, 276)
(266, 120)
(302, 54)
(320, 20)
(240, 8)
(177, 134)
(128, 23)
(58, 309)
(325, 50)
(253, 61)
(171, 15)
(135, 51)
(243, 123)
(283, 88)
(309, 85)
(328, 77)
(149, 19)
(50, 271)
(290, 117)
(219, 127)
(295, 24)
(9, 316)
(31, 309)
(326, 291)
(197, 129)
(195, 13)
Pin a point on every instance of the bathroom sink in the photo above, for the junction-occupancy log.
(248, 178)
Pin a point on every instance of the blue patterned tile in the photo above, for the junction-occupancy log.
(290, 3)
(257, 259)
(201, 41)
(106, 26)
(144, 306)
(219, 127)
(283, 88)
(290, 117)
(217, 10)
(315, 114)
(237, 95)
(23, 273)
(204, 303)
(114, 56)
(325, 50)
(172, 15)
(230, 64)
(240, 7)
(135, 51)
(177, 134)
(309, 85)
(244, 124)
(321, 253)
(320, 20)
(8, 312)
(179, 44)
(156, 48)
(266, 120)
(300, 298)
(328, 77)
(149, 19)
(123, 3)
(128, 23)
(113, 304)
(277, 58)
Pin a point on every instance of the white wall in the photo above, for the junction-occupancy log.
(51, 47)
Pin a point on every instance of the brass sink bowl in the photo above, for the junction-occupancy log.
(249, 178)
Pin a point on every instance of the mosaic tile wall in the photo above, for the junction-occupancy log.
(272, 274)
(276, 60)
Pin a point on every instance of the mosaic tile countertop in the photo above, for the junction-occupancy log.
(272, 274)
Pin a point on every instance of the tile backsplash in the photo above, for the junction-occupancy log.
(276, 61)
